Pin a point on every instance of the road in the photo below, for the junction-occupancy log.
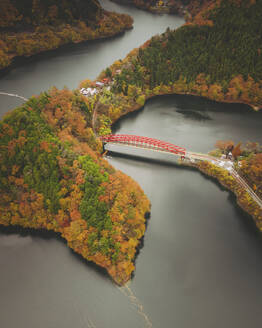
(228, 165)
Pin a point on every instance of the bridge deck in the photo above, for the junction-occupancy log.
(144, 142)
(166, 147)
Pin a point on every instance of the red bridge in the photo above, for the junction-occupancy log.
(158, 145)
(143, 142)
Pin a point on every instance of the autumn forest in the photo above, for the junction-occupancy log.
(52, 172)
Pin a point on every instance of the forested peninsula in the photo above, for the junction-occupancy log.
(52, 174)
(28, 27)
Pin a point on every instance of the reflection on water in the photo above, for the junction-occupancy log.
(193, 115)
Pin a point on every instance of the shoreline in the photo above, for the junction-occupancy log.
(137, 107)
(58, 234)
(111, 243)
(243, 199)
(122, 23)
(132, 106)
(215, 178)
(19, 61)
(158, 10)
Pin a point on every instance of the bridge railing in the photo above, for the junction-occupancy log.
(146, 142)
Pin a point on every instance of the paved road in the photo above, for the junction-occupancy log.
(223, 163)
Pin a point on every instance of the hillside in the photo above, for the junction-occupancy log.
(28, 13)
(53, 177)
(216, 55)
(28, 27)
(186, 8)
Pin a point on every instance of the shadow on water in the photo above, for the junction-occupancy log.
(193, 115)
(140, 246)
(131, 116)
(155, 161)
(246, 221)
(190, 107)
(63, 51)
(37, 233)
(197, 103)
(48, 235)
(101, 271)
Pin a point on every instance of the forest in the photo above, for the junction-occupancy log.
(186, 8)
(52, 176)
(248, 160)
(215, 55)
(29, 27)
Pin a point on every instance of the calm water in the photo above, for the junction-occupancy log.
(69, 66)
(201, 264)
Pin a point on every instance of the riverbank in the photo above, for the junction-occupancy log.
(110, 107)
(204, 245)
(131, 225)
(165, 64)
(165, 7)
(225, 179)
(53, 177)
(103, 126)
(14, 45)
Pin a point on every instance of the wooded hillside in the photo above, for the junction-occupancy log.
(216, 55)
(29, 27)
(25, 13)
(186, 8)
(53, 177)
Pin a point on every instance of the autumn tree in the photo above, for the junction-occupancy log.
(225, 145)
(236, 152)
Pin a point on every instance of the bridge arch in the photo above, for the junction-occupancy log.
(143, 142)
